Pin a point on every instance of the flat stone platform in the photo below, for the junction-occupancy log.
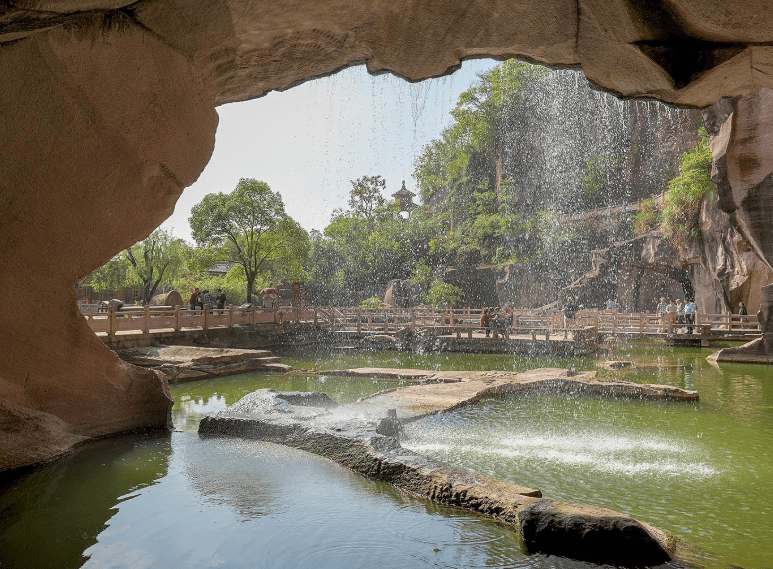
(364, 436)
(187, 363)
(750, 353)
(444, 390)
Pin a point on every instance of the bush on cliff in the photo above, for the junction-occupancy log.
(680, 219)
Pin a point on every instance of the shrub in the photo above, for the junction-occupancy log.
(372, 302)
(647, 218)
(442, 295)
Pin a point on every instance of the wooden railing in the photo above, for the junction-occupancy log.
(166, 318)
(390, 320)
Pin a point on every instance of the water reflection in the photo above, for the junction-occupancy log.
(52, 514)
(701, 471)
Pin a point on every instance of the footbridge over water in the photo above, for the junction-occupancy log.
(133, 326)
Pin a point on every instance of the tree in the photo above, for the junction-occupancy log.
(463, 173)
(485, 115)
(442, 295)
(110, 277)
(366, 196)
(153, 259)
(251, 226)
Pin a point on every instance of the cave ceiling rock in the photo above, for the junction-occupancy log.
(690, 52)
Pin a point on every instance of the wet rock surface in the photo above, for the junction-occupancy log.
(184, 363)
(365, 437)
(593, 534)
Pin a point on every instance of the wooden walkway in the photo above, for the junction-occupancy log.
(462, 323)
(466, 323)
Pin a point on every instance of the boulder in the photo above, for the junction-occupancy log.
(171, 298)
(597, 535)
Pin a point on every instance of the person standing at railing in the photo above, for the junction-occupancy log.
(662, 314)
(679, 312)
(570, 312)
(671, 315)
(500, 323)
(485, 321)
(220, 298)
(195, 300)
(690, 310)
(742, 312)
(207, 300)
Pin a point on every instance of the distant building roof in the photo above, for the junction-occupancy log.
(221, 268)
(404, 198)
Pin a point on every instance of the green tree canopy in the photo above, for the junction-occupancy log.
(159, 258)
(252, 228)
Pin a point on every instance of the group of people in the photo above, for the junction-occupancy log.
(498, 320)
(676, 312)
(200, 299)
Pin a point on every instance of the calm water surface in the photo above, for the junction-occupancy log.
(702, 471)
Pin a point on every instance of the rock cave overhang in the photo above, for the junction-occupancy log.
(88, 160)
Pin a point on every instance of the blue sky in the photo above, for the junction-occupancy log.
(307, 143)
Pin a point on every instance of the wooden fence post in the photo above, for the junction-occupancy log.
(359, 322)
(113, 324)
(146, 320)
(641, 323)
(177, 318)
(206, 317)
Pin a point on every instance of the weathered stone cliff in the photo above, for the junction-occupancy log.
(742, 147)
(108, 113)
(719, 270)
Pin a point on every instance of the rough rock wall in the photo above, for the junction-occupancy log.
(108, 113)
(564, 124)
(719, 271)
(90, 166)
(742, 146)
(689, 52)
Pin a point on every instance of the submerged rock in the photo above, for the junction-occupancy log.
(365, 437)
(593, 534)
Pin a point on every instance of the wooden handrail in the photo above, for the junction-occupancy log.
(359, 319)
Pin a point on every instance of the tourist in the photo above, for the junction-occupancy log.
(671, 315)
(742, 311)
(494, 321)
(611, 304)
(220, 298)
(679, 312)
(570, 310)
(662, 314)
(193, 301)
(690, 309)
(485, 321)
(501, 323)
(207, 299)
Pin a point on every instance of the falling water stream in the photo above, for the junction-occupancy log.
(703, 471)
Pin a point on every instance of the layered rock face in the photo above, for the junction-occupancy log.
(742, 147)
(104, 128)
(108, 113)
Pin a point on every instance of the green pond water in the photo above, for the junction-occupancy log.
(702, 471)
